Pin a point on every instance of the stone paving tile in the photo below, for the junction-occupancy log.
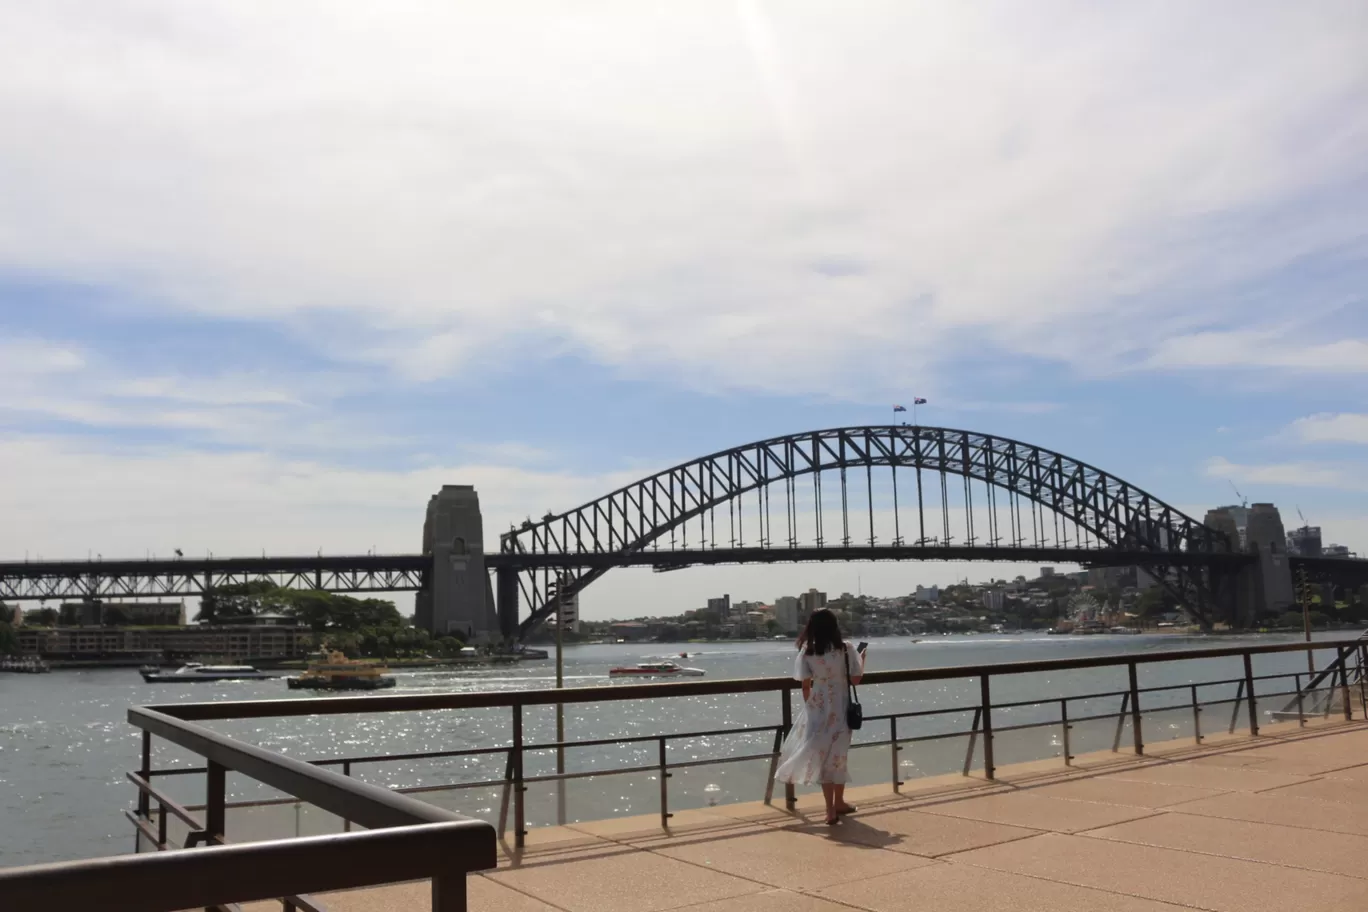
(630, 881)
(793, 860)
(1336, 853)
(1207, 882)
(769, 901)
(1339, 790)
(1114, 789)
(1038, 812)
(1285, 810)
(483, 896)
(952, 887)
(1227, 779)
(928, 835)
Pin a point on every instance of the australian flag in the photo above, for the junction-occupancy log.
(917, 401)
(899, 408)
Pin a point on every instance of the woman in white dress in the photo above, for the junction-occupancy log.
(815, 750)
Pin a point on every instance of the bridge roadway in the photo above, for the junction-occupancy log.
(1278, 823)
(359, 573)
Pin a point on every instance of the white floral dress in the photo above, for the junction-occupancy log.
(815, 750)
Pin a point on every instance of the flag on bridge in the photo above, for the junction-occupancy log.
(899, 408)
(918, 401)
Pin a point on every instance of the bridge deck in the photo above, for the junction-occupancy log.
(1275, 823)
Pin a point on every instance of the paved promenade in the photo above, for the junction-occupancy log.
(1273, 824)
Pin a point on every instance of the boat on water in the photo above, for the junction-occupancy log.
(337, 672)
(28, 664)
(197, 671)
(656, 670)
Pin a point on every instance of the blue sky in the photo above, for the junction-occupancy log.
(268, 292)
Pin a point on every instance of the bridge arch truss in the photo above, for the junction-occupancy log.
(889, 486)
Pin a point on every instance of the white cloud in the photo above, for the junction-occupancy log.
(1332, 428)
(1260, 350)
(666, 189)
(1291, 474)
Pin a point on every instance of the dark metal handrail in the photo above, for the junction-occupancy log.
(257, 709)
(198, 878)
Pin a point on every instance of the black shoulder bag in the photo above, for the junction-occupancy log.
(854, 711)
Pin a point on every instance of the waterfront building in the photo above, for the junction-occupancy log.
(99, 613)
(229, 641)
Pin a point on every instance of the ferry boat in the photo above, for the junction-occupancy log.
(197, 671)
(28, 664)
(337, 672)
(656, 670)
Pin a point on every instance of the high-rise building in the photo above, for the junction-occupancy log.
(720, 607)
(786, 614)
(1304, 542)
(1336, 551)
(929, 594)
(1047, 572)
(810, 601)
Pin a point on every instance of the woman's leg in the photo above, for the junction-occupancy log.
(838, 799)
(829, 793)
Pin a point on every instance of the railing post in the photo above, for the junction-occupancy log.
(1344, 682)
(893, 750)
(973, 740)
(1301, 710)
(144, 800)
(1196, 717)
(1249, 689)
(1235, 710)
(1137, 737)
(449, 893)
(161, 825)
(519, 806)
(986, 697)
(1121, 722)
(215, 787)
(790, 795)
(1064, 730)
(346, 771)
(665, 814)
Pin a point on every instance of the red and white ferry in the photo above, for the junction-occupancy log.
(656, 670)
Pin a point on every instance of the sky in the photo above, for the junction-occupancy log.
(271, 274)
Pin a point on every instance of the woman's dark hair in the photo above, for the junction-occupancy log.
(821, 633)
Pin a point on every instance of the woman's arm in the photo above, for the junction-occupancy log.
(856, 665)
(807, 689)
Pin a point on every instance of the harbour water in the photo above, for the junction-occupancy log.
(65, 744)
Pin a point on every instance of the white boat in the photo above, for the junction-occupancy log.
(656, 670)
(195, 671)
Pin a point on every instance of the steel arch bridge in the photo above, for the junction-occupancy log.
(758, 500)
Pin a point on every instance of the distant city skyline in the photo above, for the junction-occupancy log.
(463, 250)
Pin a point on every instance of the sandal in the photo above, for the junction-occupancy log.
(846, 809)
(832, 821)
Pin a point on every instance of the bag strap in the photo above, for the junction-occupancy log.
(854, 696)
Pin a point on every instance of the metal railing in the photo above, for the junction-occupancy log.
(408, 839)
(987, 722)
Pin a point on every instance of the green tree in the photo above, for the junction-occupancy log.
(9, 645)
(41, 617)
(240, 600)
(449, 646)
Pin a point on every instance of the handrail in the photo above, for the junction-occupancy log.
(196, 878)
(369, 805)
(256, 709)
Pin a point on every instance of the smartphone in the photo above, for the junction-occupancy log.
(862, 647)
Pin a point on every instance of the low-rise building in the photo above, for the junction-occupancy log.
(236, 642)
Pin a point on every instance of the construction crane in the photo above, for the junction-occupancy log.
(1244, 501)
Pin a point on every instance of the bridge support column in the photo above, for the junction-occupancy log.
(457, 598)
(506, 593)
(1266, 585)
